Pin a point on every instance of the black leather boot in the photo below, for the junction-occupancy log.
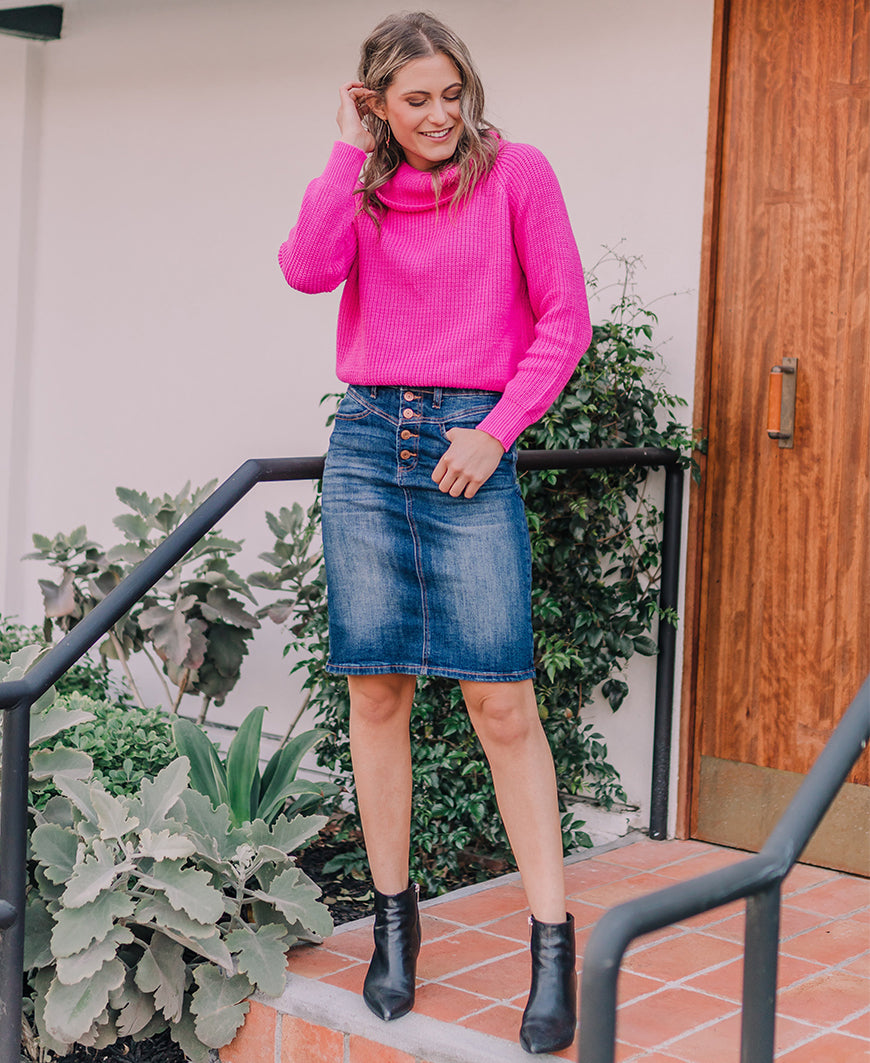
(550, 1018)
(391, 978)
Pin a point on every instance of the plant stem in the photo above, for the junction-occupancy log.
(296, 719)
(203, 712)
(158, 671)
(122, 657)
(182, 686)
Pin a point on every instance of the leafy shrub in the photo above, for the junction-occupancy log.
(192, 625)
(237, 782)
(152, 912)
(595, 562)
(126, 744)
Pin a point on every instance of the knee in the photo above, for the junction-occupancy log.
(381, 700)
(500, 717)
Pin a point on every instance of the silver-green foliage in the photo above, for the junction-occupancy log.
(152, 912)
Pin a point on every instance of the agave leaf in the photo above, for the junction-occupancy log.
(284, 764)
(243, 771)
(207, 773)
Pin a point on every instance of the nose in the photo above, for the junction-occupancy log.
(438, 113)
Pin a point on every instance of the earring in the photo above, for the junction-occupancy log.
(387, 143)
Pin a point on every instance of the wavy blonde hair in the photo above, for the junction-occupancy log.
(391, 44)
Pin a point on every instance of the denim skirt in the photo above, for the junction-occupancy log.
(419, 582)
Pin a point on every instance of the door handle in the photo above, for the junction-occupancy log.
(781, 389)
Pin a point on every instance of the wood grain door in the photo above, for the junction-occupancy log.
(782, 574)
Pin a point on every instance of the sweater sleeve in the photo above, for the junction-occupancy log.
(547, 252)
(321, 248)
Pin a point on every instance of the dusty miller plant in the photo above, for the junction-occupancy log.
(152, 912)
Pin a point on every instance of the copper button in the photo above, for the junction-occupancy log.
(410, 396)
(405, 433)
(405, 454)
(407, 413)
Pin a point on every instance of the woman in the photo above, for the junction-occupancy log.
(462, 317)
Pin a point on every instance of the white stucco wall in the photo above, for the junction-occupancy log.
(158, 154)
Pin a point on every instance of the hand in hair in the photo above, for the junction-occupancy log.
(352, 108)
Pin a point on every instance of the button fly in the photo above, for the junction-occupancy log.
(407, 413)
(405, 454)
(405, 434)
(410, 396)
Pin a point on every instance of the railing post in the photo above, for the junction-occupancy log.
(760, 954)
(665, 667)
(13, 873)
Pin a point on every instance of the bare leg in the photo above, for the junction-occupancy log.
(505, 717)
(380, 745)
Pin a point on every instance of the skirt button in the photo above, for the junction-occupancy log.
(405, 434)
(410, 396)
(407, 413)
(405, 454)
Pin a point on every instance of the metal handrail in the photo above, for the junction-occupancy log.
(17, 696)
(758, 879)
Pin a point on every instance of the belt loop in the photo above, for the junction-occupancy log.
(373, 393)
(436, 401)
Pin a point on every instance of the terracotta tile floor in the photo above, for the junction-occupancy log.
(679, 988)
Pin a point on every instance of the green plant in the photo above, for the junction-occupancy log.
(192, 625)
(126, 744)
(595, 565)
(85, 676)
(153, 912)
(237, 782)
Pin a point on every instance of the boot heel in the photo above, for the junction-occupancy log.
(550, 1018)
(391, 979)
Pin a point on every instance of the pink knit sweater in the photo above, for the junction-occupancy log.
(488, 296)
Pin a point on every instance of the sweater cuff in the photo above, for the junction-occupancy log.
(344, 165)
(505, 421)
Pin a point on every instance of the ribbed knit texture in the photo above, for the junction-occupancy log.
(485, 294)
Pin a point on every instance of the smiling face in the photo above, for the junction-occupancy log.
(421, 106)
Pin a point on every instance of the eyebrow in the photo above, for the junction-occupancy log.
(423, 92)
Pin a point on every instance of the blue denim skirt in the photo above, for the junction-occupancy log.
(419, 582)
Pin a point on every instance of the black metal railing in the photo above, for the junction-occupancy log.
(17, 697)
(758, 879)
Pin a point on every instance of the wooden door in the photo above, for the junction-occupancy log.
(781, 607)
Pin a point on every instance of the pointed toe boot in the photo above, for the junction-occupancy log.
(550, 1018)
(391, 979)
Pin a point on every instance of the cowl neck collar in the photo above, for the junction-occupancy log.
(412, 190)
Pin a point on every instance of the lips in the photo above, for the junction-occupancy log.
(438, 134)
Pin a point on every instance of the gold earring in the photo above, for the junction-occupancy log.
(388, 133)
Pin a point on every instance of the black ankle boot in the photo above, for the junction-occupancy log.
(550, 1018)
(391, 979)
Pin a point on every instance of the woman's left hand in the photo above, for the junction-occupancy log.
(469, 461)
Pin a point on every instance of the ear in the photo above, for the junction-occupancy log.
(375, 105)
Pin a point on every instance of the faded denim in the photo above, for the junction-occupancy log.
(420, 583)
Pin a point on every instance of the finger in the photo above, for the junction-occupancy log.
(439, 471)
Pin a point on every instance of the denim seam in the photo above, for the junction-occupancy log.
(421, 579)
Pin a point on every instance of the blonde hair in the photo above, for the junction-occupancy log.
(391, 44)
